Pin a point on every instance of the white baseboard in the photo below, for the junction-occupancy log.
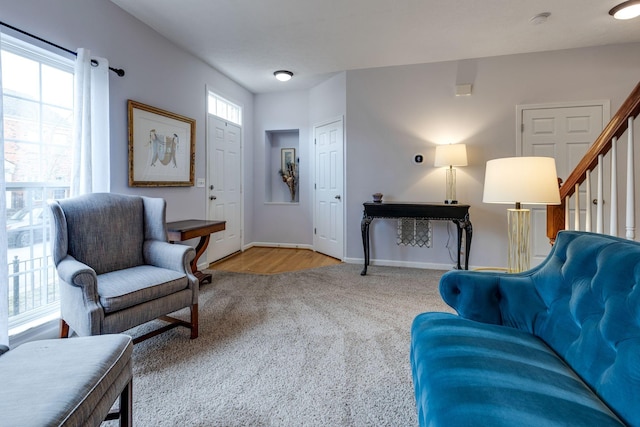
(407, 264)
(277, 245)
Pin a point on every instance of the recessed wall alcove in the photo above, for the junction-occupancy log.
(281, 145)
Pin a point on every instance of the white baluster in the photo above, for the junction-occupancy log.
(567, 224)
(600, 200)
(587, 210)
(576, 212)
(630, 220)
(613, 208)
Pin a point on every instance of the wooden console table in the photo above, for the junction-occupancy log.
(459, 214)
(190, 229)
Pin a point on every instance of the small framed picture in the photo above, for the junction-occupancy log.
(161, 147)
(288, 155)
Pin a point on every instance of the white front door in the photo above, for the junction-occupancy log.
(224, 196)
(564, 133)
(329, 193)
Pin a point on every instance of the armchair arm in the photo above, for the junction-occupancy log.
(75, 273)
(168, 255)
(498, 298)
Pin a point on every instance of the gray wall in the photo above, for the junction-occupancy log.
(158, 73)
(396, 112)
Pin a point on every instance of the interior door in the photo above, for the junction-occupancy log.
(224, 196)
(564, 133)
(329, 197)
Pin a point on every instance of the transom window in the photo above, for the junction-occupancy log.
(225, 109)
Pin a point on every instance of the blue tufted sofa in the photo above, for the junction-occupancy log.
(558, 345)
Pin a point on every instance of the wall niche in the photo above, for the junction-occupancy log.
(282, 166)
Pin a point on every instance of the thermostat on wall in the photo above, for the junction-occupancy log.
(418, 159)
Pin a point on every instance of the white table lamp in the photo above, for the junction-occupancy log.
(451, 155)
(521, 180)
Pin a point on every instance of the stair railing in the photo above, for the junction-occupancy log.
(558, 216)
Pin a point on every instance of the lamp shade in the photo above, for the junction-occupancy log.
(451, 155)
(527, 180)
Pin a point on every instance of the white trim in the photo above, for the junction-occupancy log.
(278, 245)
(520, 108)
(404, 264)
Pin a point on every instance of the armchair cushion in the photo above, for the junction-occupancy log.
(121, 289)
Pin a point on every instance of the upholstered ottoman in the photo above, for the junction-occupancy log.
(66, 382)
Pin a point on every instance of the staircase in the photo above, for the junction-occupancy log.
(605, 153)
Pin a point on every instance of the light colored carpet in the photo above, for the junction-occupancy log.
(320, 347)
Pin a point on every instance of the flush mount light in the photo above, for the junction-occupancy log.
(627, 10)
(283, 75)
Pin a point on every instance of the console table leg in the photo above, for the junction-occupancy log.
(364, 226)
(459, 267)
(468, 232)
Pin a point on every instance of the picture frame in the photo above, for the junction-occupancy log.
(287, 155)
(161, 147)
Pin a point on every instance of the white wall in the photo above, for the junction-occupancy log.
(396, 112)
(158, 73)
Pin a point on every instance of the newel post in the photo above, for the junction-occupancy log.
(555, 218)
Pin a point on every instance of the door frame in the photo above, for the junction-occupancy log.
(344, 179)
(207, 166)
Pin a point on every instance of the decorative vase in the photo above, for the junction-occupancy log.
(377, 197)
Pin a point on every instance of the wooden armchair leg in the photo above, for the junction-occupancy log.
(64, 329)
(194, 321)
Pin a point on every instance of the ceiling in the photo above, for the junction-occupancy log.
(248, 40)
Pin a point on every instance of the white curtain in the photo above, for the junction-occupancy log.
(91, 167)
(4, 268)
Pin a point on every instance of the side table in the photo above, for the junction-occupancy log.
(190, 229)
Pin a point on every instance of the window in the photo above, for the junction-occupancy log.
(38, 125)
(227, 110)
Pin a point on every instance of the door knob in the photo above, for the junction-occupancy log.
(338, 197)
(212, 197)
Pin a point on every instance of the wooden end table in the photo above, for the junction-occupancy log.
(190, 229)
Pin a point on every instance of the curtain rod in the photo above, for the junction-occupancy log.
(118, 71)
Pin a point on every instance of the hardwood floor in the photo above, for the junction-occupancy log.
(261, 260)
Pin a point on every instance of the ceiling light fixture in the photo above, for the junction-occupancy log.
(627, 10)
(283, 75)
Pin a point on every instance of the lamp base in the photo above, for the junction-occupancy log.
(519, 223)
(450, 202)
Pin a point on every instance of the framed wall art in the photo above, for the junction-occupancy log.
(161, 147)
(287, 155)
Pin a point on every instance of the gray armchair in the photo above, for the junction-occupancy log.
(116, 267)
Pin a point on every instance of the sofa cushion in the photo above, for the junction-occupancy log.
(61, 382)
(133, 286)
(475, 374)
